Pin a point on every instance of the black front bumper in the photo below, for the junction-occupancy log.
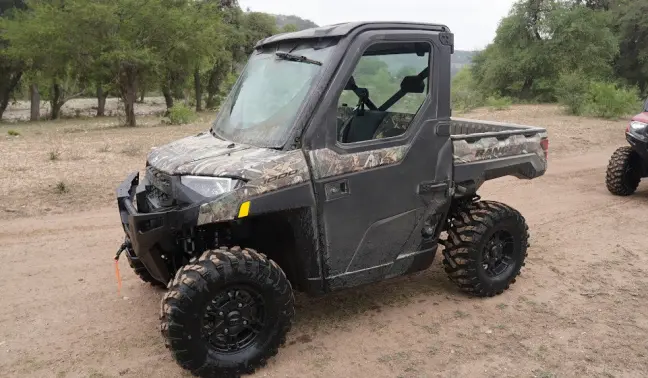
(639, 143)
(153, 236)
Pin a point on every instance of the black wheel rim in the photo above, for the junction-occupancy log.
(234, 318)
(498, 253)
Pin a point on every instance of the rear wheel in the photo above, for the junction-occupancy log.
(623, 172)
(486, 247)
(227, 313)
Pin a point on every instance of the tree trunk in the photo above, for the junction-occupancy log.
(211, 101)
(168, 97)
(7, 86)
(128, 91)
(34, 98)
(56, 102)
(198, 87)
(101, 101)
(212, 88)
(526, 88)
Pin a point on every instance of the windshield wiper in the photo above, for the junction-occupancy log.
(297, 58)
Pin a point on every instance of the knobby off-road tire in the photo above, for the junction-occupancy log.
(473, 245)
(227, 313)
(623, 172)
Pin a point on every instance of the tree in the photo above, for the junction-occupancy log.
(289, 28)
(540, 40)
(11, 69)
(632, 28)
(43, 38)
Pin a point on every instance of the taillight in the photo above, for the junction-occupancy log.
(545, 147)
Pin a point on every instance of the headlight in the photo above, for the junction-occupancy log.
(209, 186)
(637, 126)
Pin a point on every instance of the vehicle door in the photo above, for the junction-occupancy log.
(381, 180)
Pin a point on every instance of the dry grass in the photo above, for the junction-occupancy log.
(92, 161)
(94, 155)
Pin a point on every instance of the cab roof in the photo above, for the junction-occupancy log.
(343, 29)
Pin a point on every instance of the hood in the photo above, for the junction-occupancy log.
(641, 117)
(206, 155)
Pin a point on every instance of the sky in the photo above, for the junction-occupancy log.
(473, 22)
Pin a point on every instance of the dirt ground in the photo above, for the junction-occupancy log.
(578, 309)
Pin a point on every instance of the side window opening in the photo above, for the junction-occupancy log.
(385, 92)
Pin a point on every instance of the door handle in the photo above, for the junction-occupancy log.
(336, 189)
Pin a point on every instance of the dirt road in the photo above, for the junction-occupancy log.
(579, 308)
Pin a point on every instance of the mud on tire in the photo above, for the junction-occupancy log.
(227, 313)
(623, 172)
(486, 247)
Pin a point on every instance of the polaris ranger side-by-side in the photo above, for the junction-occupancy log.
(333, 163)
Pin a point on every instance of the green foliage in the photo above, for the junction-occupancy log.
(465, 95)
(289, 28)
(180, 114)
(13, 133)
(539, 41)
(608, 100)
(498, 103)
(572, 91)
(631, 25)
(580, 96)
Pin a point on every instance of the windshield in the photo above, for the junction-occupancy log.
(262, 106)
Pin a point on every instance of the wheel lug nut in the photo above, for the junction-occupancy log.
(226, 330)
(220, 313)
(245, 322)
(240, 305)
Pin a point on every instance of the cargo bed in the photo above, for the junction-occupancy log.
(485, 150)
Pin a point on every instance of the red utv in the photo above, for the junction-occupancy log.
(629, 164)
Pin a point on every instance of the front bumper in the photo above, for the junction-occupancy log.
(153, 236)
(639, 143)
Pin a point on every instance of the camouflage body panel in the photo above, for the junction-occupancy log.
(491, 148)
(328, 163)
(263, 170)
(205, 155)
(288, 170)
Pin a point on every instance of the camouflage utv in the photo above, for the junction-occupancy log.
(317, 176)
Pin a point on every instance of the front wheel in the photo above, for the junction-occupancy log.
(227, 313)
(623, 172)
(486, 247)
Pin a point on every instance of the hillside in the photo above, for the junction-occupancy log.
(300, 23)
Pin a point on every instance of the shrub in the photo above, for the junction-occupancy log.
(54, 155)
(498, 103)
(608, 100)
(464, 93)
(61, 188)
(181, 114)
(571, 91)
(582, 96)
(13, 133)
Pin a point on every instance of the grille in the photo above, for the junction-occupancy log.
(159, 192)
